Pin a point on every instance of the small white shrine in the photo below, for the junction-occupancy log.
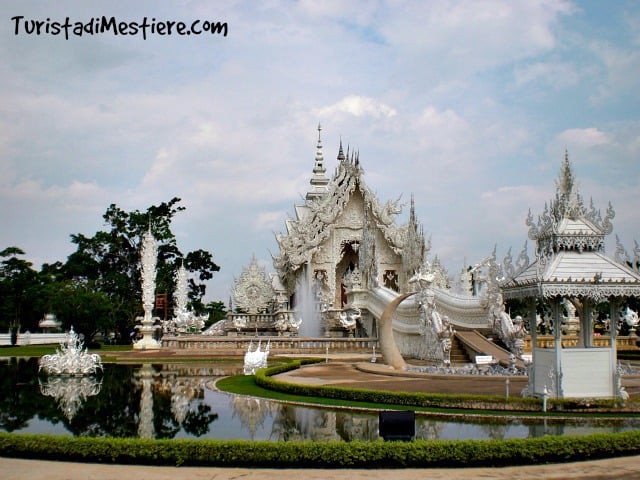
(571, 269)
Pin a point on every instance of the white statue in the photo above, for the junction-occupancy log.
(255, 359)
(184, 320)
(294, 325)
(511, 332)
(436, 330)
(240, 322)
(286, 322)
(349, 321)
(630, 317)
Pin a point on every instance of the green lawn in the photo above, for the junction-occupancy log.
(39, 350)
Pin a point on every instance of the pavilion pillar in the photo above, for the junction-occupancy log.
(586, 323)
(557, 331)
(533, 323)
(613, 335)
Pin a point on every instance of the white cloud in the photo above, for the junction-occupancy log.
(272, 221)
(621, 71)
(583, 137)
(554, 74)
(469, 105)
(357, 106)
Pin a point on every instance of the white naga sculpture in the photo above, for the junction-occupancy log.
(350, 321)
(255, 359)
(510, 331)
(435, 329)
(71, 358)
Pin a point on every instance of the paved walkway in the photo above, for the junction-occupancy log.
(15, 469)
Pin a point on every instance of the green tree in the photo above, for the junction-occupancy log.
(109, 261)
(216, 310)
(18, 283)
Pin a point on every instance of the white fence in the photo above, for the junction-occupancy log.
(28, 338)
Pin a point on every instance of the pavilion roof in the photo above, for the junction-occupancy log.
(570, 259)
(573, 273)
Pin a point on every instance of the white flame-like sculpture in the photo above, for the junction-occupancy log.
(71, 358)
(148, 259)
(184, 320)
(255, 359)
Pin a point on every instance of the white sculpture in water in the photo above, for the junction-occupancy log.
(184, 320)
(255, 359)
(148, 259)
(71, 358)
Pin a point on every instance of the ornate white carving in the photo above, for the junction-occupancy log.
(253, 291)
(255, 359)
(184, 320)
(71, 358)
(435, 329)
(348, 211)
(629, 316)
(549, 233)
(349, 321)
(148, 260)
(285, 321)
(510, 331)
(522, 263)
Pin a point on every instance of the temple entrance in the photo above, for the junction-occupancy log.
(345, 267)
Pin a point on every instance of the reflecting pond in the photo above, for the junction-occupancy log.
(177, 401)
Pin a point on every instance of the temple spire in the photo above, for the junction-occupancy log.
(340, 151)
(319, 180)
(568, 202)
(319, 165)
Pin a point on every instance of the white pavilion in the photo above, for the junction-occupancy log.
(571, 266)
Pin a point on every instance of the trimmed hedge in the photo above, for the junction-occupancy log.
(241, 453)
(264, 379)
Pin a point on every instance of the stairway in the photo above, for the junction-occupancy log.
(476, 344)
(458, 353)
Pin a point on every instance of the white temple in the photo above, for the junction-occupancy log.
(347, 270)
(341, 261)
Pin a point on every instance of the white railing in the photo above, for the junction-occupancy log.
(28, 338)
(231, 345)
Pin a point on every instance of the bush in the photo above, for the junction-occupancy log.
(241, 453)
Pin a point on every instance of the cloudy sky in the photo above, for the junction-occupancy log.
(467, 105)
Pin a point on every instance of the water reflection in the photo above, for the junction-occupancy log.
(175, 401)
(70, 392)
(253, 412)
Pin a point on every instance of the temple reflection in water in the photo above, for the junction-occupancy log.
(180, 401)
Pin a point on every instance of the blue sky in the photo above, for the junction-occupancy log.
(469, 106)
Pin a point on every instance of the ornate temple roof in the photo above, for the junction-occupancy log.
(570, 259)
(325, 202)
